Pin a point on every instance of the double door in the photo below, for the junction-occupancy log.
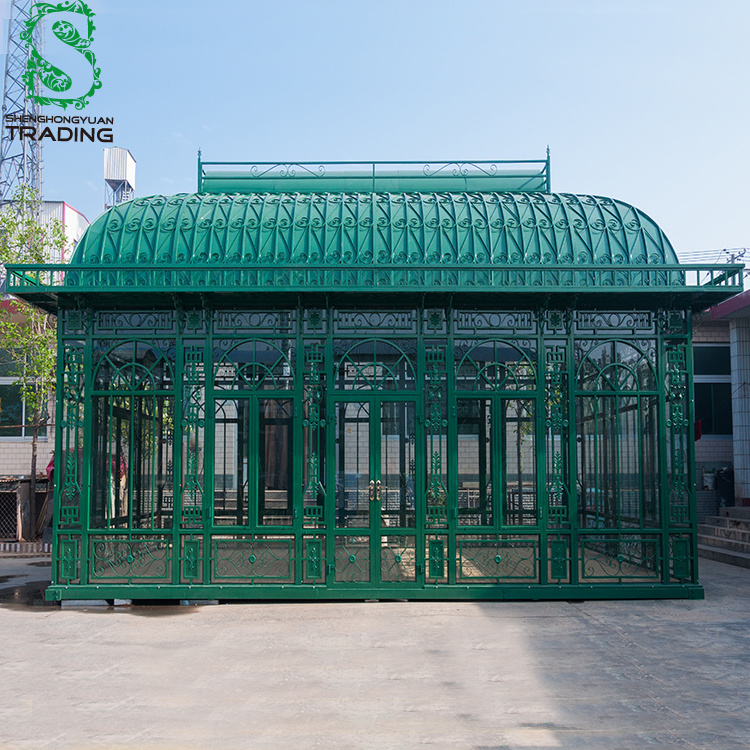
(376, 450)
(385, 514)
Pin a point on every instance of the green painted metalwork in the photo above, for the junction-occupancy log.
(681, 558)
(313, 388)
(436, 559)
(418, 452)
(191, 566)
(330, 230)
(374, 177)
(558, 559)
(695, 286)
(314, 559)
(71, 422)
(68, 559)
(444, 227)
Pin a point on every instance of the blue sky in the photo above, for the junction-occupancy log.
(642, 100)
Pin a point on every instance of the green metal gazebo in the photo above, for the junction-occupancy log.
(359, 381)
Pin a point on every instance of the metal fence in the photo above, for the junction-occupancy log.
(8, 513)
(31, 517)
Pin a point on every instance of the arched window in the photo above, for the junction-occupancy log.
(254, 437)
(617, 366)
(616, 426)
(495, 433)
(256, 365)
(133, 366)
(132, 438)
(374, 365)
(493, 366)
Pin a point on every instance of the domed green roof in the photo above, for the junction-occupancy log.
(371, 229)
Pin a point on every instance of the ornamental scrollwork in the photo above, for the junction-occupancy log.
(314, 491)
(72, 424)
(436, 425)
(193, 425)
(677, 431)
(556, 423)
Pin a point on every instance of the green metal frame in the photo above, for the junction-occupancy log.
(495, 291)
(338, 230)
(520, 244)
(528, 176)
(557, 551)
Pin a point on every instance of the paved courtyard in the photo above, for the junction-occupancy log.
(486, 676)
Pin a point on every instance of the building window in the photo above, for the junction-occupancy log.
(713, 388)
(15, 422)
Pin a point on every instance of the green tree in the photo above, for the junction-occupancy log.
(29, 334)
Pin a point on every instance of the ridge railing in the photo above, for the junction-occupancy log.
(519, 175)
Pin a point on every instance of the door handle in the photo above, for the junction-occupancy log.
(377, 490)
(372, 490)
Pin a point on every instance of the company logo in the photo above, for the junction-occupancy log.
(68, 29)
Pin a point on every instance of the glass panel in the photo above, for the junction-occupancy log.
(713, 407)
(132, 467)
(628, 456)
(11, 411)
(617, 461)
(265, 559)
(257, 365)
(109, 497)
(493, 366)
(617, 366)
(8, 366)
(597, 461)
(519, 475)
(484, 557)
(398, 558)
(133, 365)
(585, 458)
(711, 360)
(275, 454)
(474, 462)
(352, 559)
(374, 365)
(397, 464)
(231, 438)
(352, 464)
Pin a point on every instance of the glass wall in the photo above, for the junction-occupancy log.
(374, 448)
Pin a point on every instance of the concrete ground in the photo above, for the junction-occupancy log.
(600, 675)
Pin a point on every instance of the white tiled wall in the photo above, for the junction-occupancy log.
(714, 451)
(740, 338)
(710, 332)
(15, 456)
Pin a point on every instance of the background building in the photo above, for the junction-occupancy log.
(15, 447)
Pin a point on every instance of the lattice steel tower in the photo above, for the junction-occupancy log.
(20, 159)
